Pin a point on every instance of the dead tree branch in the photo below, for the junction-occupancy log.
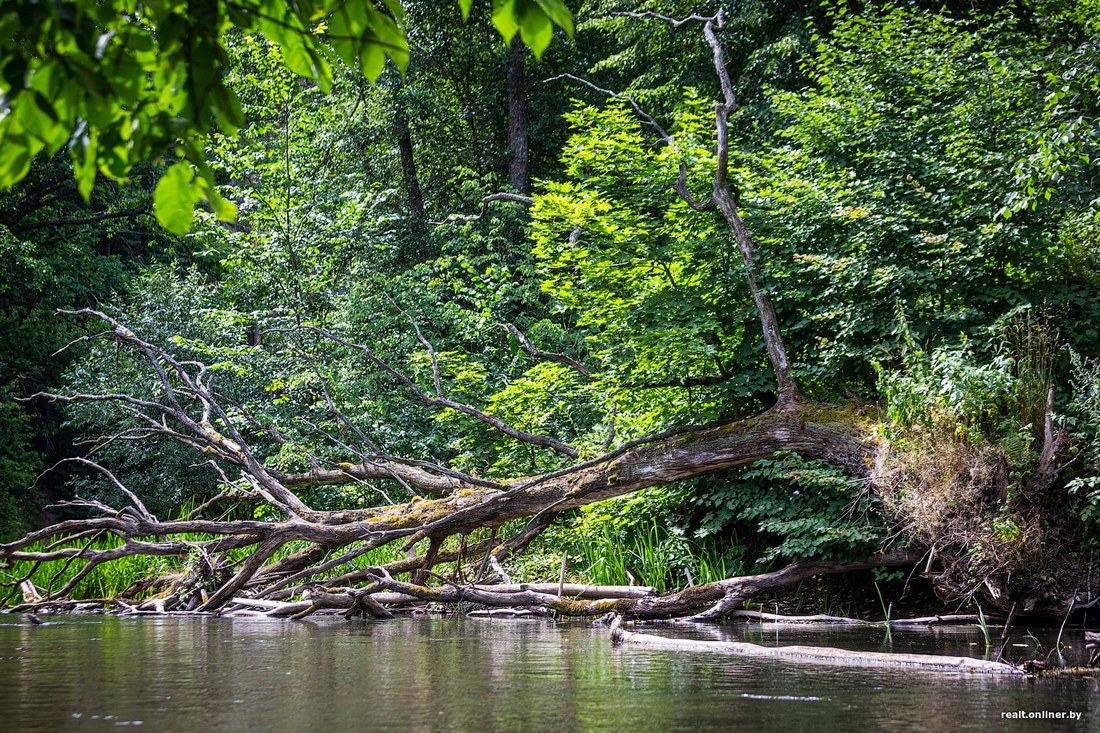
(513, 197)
(538, 353)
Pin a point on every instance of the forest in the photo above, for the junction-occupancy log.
(320, 304)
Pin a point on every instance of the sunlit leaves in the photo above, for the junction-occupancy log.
(364, 37)
(122, 84)
(174, 198)
(651, 283)
(533, 19)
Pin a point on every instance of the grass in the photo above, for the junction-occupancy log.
(652, 557)
(984, 626)
(886, 609)
(111, 579)
(1058, 641)
(106, 580)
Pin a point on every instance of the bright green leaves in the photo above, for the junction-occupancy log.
(119, 87)
(290, 26)
(83, 150)
(657, 288)
(122, 84)
(364, 37)
(175, 198)
(533, 19)
(179, 190)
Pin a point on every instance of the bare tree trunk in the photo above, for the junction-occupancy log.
(725, 197)
(518, 174)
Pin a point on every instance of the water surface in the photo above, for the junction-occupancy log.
(95, 673)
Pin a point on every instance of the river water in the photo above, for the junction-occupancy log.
(208, 675)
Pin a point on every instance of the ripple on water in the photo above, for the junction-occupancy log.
(214, 676)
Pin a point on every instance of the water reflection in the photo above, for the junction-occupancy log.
(432, 674)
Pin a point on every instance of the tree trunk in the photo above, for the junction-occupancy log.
(415, 198)
(518, 174)
(812, 431)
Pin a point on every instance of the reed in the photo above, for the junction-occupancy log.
(984, 626)
(655, 557)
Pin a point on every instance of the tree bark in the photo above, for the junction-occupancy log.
(726, 198)
(518, 157)
(812, 431)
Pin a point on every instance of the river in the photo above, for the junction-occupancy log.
(209, 675)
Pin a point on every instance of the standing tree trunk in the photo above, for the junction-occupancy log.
(417, 219)
(518, 174)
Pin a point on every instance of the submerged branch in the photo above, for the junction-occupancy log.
(817, 655)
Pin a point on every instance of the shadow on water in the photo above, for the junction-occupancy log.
(453, 674)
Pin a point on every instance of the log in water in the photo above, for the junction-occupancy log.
(816, 654)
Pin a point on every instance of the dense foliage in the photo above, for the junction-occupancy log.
(921, 182)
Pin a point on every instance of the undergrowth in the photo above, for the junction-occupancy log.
(958, 465)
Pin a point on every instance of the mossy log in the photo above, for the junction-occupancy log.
(810, 430)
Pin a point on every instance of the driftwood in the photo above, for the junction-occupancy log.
(510, 613)
(815, 655)
(534, 598)
(940, 620)
(817, 618)
(958, 618)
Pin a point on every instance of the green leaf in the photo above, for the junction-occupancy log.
(372, 59)
(174, 198)
(224, 210)
(504, 18)
(556, 11)
(465, 5)
(84, 162)
(536, 29)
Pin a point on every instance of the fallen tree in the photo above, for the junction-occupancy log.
(191, 412)
(246, 561)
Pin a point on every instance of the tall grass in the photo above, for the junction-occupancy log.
(106, 580)
(654, 556)
(111, 579)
